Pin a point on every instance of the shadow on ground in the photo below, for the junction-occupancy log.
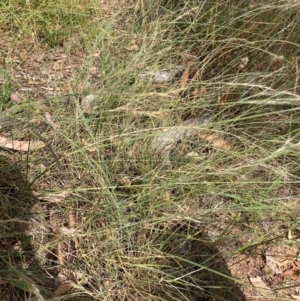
(197, 271)
(21, 277)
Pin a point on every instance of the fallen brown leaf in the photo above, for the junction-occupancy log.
(133, 44)
(59, 254)
(49, 119)
(53, 223)
(216, 142)
(68, 231)
(15, 98)
(195, 92)
(18, 145)
(184, 78)
(222, 99)
(64, 287)
(261, 287)
(34, 82)
(203, 91)
(90, 147)
(24, 55)
(132, 47)
(125, 181)
(52, 198)
(290, 274)
(72, 219)
(60, 278)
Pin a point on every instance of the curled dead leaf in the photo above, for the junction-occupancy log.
(244, 62)
(216, 142)
(68, 231)
(18, 145)
(132, 47)
(124, 181)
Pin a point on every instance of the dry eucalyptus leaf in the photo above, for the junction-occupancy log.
(15, 98)
(125, 181)
(60, 278)
(52, 198)
(72, 219)
(90, 147)
(261, 287)
(133, 44)
(216, 142)
(18, 145)
(49, 119)
(132, 47)
(68, 231)
(64, 287)
(184, 78)
(59, 254)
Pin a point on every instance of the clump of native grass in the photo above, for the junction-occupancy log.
(142, 229)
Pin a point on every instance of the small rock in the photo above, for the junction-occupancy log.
(169, 137)
(161, 77)
(87, 104)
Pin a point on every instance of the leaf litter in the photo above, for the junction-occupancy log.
(18, 145)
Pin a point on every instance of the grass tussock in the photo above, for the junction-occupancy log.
(97, 214)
